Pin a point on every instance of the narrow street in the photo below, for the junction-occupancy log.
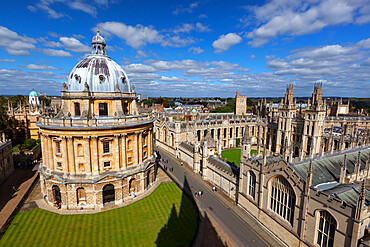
(244, 231)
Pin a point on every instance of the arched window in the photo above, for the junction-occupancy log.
(80, 150)
(81, 196)
(251, 184)
(129, 145)
(326, 229)
(282, 198)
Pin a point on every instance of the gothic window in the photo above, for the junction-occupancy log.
(231, 132)
(282, 198)
(77, 109)
(105, 147)
(251, 184)
(225, 133)
(326, 229)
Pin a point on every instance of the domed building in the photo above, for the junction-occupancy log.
(33, 99)
(97, 150)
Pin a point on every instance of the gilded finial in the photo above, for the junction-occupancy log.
(97, 31)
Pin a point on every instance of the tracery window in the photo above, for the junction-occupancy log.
(282, 198)
(326, 229)
(251, 184)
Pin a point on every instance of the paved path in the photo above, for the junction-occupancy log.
(243, 230)
(9, 199)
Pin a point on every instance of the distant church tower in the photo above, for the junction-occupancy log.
(33, 99)
(241, 104)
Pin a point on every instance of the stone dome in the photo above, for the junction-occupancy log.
(99, 71)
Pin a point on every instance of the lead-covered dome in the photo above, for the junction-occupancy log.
(99, 71)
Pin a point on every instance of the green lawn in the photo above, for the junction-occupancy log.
(164, 218)
(232, 155)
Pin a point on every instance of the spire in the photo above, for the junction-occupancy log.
(360, 200)
(309, 175)
(343, 170)
(246, 137)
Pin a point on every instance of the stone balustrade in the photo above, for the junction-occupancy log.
(93, 122)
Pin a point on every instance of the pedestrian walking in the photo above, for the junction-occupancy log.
(196, 193)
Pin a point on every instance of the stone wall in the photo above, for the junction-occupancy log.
(6, 160)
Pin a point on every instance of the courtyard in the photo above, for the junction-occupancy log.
(164, 218)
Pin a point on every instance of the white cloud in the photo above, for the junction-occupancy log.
(188, 9)
(39, 67)
(15, 44)
(7, 60)
(195, 50)
(16, 81)
(56, 53)
(139, 35)
(296, 18)
(224, 42)
(135, 37)
(73, 44)
(81, 5)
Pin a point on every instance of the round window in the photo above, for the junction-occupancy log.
(101, 78)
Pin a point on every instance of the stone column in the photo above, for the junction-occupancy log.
(117, 151)
(140, 149)
(64, 152)
(124, 159)
(44, 143)
(50, 152)
(88, 155)
(150, 142)
(95, 155)
(136, 148)
(71, 155)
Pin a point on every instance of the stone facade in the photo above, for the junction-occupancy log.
(309, 190)
(241, 104)
(97, 150)
(6, 158)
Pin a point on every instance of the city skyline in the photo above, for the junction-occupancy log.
(193, 48)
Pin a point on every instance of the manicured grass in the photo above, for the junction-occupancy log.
(164, 218)
(232, 155)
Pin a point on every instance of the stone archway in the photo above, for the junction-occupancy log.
(56, 194)
(108, 194)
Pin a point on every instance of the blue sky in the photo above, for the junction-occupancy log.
(192, 48)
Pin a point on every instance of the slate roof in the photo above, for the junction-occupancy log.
(327, 169)
(187, 146)
(348, 193)
(269, 159)
(223, 166)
